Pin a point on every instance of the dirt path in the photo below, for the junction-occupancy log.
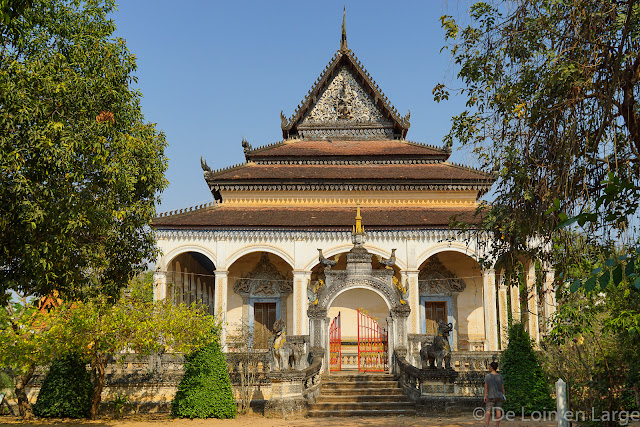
(260, 421)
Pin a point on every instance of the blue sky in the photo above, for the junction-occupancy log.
(214, 72)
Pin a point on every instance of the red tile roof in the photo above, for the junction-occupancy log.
(333, 218)
(310, 149)
(429, 172)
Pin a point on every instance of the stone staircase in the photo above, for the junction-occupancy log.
(359, 394)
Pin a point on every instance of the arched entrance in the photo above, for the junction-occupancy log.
(358, 333)
(358, 283)
(260, 292)
(190, 278)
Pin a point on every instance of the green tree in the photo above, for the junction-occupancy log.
(205, 390)
(66, 391)
(25, 343)
(101, 331)
(80, 168)
(551, 90)
(525, 384)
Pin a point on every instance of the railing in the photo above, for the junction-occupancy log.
(461, 360)
(411, 378)
(420, 383)
(248, 367)
(312, 378)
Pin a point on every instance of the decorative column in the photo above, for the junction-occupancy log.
(514, 293)
(159, 285)
(549, 294)
(300, 302)
(532, 302)
(454, 311)
(490, 315)
(409, 278)
(318, 335)
(503, 314)
(220, 311)
(177, 284)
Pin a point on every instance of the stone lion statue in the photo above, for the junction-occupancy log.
(438, 353)
(285, 355)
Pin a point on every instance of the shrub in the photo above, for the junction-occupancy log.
(525, 383)
(205, 390)
(66, 391)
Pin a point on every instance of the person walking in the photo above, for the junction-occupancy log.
(493, 395)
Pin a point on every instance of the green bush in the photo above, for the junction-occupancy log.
(525, 383)
(205, 390)
(66, 391)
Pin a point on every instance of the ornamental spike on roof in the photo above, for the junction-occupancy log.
(345, 103)
(343, 41)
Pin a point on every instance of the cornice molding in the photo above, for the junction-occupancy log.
(476, 186)
(351, 201)
(349, 162)
(433, 234)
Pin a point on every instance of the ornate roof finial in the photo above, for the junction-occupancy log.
(343, 42)
(358, 230)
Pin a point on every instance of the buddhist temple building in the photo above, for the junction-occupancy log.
(342, 226)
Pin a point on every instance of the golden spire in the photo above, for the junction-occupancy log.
(358, 228)
(343, 42)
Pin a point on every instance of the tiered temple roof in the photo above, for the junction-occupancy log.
(344, 137)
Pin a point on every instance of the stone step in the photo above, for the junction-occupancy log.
(363, 406)
(363, 413)
(358, 376)
(358, 384)
(396, 397)
(360, 391)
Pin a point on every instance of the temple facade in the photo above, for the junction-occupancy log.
(342, 231)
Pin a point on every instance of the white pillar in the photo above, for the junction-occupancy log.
(178, 285)
(159, 285)
(187, 286)
(561, 403)
(205, 294)
(300, 302)
(549, 294)
(198, 290)
(220, 311)
(516, 313)
(490, 315)
(504, 316)
(409, 278)
(532, 302)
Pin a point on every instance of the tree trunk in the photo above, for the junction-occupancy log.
(24, 407)
(98, 370)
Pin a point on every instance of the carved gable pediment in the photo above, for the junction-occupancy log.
(435, 279)
(344, 101)
(264, 280)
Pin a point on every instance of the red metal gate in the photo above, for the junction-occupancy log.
(335, 345)
(373, 345)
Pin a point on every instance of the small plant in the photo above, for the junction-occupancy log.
(247, 354)
(205, 390)
(66, 391)
(525, 383)
(118, 403)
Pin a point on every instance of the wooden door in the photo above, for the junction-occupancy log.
(434, 311)
(264, 316)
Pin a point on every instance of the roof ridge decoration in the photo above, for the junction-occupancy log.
(471, 168)
(424, 144)
(185, 210)
(345, 103)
